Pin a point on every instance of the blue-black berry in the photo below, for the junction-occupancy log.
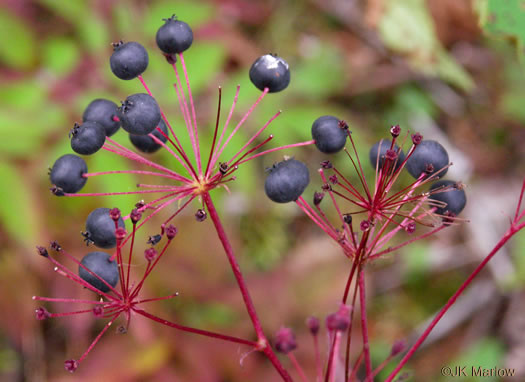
(286, 181)
(139, 114)
(88, 138)
(270, 71)
(174, 36)
(329, 134)
(453, 195)
(100, 228)
(383, 149)
(67, 173)
(145, 143)
(428, 158)
(103, 111)
(128, 60)
(101, 265)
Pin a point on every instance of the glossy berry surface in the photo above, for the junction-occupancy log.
(174, 36)
(102, 111)
(381, 148)
(88, 138)
(100, 228)
(287, 181)
(145, 143)
(139, 114)
(329, 134)
(453, 195)
(429, 157)
(67, 173)
(100, 264)
(270, 71)
(128, 60)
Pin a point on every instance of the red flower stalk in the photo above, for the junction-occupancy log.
(116, 301)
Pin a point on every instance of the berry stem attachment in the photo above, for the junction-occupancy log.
(243, 288)
(364, 325)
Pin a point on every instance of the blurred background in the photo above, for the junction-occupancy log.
(450, 69)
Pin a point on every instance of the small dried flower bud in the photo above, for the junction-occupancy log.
(395, 130)
(171, 231)
(120, 233)
(71, 365)
(115, 214)
(122, 330)
(313, 324)
(391, 155)
(42, 314)
(140, 204)
(347, 218)
(326, 187)
(326, 164)
(339, 320)
(154, 239)
(398, 347)
(57, 191)
(150, 254)
(285, 340)
(365, 225)
(410, 227)
(318, 197)
(135, 215)
(171, 58)
(200, 215)
(115, 45)
(42, 251)
(333, 179)
(429, 169)
(417, 138)
(223, 168)
(55, 246)
(98, 311)
(343, 125)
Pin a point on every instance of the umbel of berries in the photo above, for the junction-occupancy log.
(270, 71)
(104, 112)
(174, 36)
(146, 144)
(381, 149)
(100, 228)
(286, 181)
(128, 60)
(452, 196)
(329, 134)
(99, 264)
(139, 114)
(88, 138)
(428, 157)
(67, 174)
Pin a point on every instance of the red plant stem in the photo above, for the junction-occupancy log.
(306, 143)
(334, 354)
(379, 368)
(514, 228)
(201, 332)
(97, 338)
(356, 366)
(297, 367)
(215, 131)
(349, 333)
(364, 326)
(68, 300)
(317, 359)
(263, 342)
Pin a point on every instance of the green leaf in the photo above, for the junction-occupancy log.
(69, 10)
(504, 18)
(18, 207)
(18, 47)
(60, 55)
(406, 27)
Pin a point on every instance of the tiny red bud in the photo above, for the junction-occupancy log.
(417, 138)
(120, 233)
(200, 215)
(391, 155)
(313, 324)
(398, 347)
(318, 197)
(171, 231)
(285, 340)
(42, 314)
(115, 214)
(333, 179)
(71, 365)
(339, 320)
(150, 254)
(135, 215)
(98, 311)
(365, 225)
(411, 227)
(42, 251)
(326, 164)
(395, 131)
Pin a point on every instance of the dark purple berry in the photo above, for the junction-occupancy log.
(145, 143)
(139, 114)
(67, 173)
(329, 135)
(104, 112)
(174, 36)
(453, 195)
(428, 157)
(100, 228)
(128, 60)
(270, 71)
(101, 265)
(88, 138)
(382, 147)
(287, 181)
